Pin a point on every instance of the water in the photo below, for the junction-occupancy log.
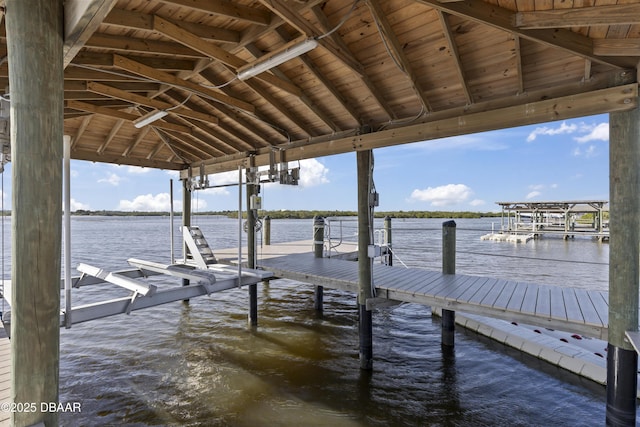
(202, 365)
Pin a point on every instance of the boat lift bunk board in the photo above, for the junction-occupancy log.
(205, 278)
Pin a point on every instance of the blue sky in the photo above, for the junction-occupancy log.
(566, 160)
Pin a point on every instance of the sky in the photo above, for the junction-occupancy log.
(565, 160)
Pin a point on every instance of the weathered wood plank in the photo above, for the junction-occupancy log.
(483, 290)
(601, 306)
(530, 299)
(543, 305)
(574, 313)
(491, 297)
(558, 309)
(517, 297)
(586, 307)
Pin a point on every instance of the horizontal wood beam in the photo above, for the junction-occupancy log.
(226, 8)
(621, 98)
(93, 156)
(619, 14)
(617, 47)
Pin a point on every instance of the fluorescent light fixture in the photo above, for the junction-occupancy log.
(149, 118)
(293, 51)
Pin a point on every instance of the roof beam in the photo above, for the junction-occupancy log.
(226, 8)
(618, 14)
(148, 102)
(92, 156)
(81, 19)
(186, 38)
(167, 78)
(503, 19)
(141, 21)
(620, 98)
(122, 115)
(617, 47)
(455, 55)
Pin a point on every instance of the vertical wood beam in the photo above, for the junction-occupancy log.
(34, 42)
(186, 221)
(252, 214)
(364, 263)
(624, 265)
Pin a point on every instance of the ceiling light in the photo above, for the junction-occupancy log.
(293, 51)
(149, 118)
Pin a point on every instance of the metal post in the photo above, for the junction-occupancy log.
(364, 262)
(624, 270)
(387, 232)
(34, 31)
(448, 267)
(171, 239)
(67, 230)
(186, 221)
(318, 251)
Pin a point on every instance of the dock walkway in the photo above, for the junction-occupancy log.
(570, 309)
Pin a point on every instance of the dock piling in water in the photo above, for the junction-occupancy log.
(318, 249)
(448, 267)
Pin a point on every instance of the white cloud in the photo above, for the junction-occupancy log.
(477, 202)
(147, 202)
(590, 151)
(112, 179)
(443, 195)
(533, 194)
(599, 132)
(564, 128)
(75, 205)
(312, 173)
(536, 186)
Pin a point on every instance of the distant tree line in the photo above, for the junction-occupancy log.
(301, 214)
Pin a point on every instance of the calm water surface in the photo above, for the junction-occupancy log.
(202, 365)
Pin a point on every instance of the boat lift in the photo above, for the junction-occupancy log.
(204, 274)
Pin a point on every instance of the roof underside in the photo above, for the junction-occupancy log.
(384, 73)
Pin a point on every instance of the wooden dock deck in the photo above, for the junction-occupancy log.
(570, 309)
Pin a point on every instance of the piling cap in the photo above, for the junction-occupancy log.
(450, 223)
(318, 220)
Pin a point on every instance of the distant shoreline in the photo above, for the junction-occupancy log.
(300, 214)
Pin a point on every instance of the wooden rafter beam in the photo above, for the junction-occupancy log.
(186, 38)
(620, 98)
(95, 59)
(112, 134)
(455, 55)
(171, 80)
(226, 8)
(138, 139)
(503, 19)
(618, 14)
(131, 45)
(398, 52)
(121, 115)
(293, 18)
(617, 47)
(81, 19)
(148, 102)
(92, 156)
(342, 46)
(141, 21)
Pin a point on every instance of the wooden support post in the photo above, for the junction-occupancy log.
(448, 267)
(318, 251)
(624, 260)
(252, 213)
(266, 230)
(364, 262)
(34, 42)
(387, 231)
(186, 221)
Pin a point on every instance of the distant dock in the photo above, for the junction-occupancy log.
(523, 221)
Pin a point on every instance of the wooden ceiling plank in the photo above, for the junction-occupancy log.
(518, 54)
(455, 55)
(228, 9)
(619, 14)
(186, 38)
(160, 76)
(97, 59)
(617, 47)
(497, 17)
(92, 156)
(193, 145)
(81, 129)
(81, 19)
(141, 21)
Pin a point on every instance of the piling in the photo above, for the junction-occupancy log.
(266, 230)
(252, 191)
(318, 251)
(364, 165)
(186, 222)
(624, 270)
(448, 267)
(34, 43)
(387, 231)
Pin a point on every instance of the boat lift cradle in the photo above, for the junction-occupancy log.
(200, 268)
